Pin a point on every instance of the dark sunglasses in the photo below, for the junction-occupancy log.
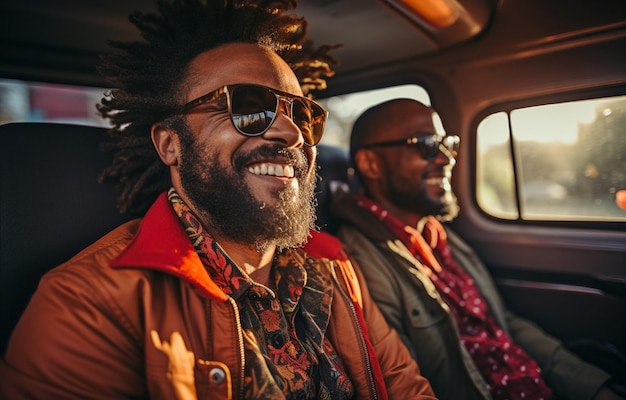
(429, 146)
(253, 109)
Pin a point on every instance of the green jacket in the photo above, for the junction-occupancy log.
(412, 306)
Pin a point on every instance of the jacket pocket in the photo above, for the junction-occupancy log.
(213, 380)
(423, 313)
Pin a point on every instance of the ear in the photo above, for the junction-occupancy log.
(368, 164)
(166, 144)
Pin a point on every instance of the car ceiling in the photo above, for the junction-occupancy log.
(42, 38)
(59, 41)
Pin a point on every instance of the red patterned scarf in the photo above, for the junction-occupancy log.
(510, 373)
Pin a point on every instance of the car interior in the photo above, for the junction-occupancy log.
(493, 69)
(64, 161)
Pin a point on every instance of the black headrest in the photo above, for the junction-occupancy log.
(51, 205)
(335, 173)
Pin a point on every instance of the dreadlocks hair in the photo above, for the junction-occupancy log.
(148, 76)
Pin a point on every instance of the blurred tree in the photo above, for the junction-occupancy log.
(602, 153)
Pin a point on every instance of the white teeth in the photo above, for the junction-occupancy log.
(434, 181)
(273, 170)
(442, 182)
(445, 183)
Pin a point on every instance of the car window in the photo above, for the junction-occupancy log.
(22, 101)
(563, 161)
(345, 109)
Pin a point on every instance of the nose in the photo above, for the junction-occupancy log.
(284, 129)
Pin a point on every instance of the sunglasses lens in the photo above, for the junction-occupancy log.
(310, 118)
(302, 115)
(430, 147)
(253, 108)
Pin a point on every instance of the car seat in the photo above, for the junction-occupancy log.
(52, 206)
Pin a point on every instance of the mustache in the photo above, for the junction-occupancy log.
(295, 157)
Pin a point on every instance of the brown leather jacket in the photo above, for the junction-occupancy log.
(135, 315)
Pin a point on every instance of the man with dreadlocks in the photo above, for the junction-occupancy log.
(210, 294)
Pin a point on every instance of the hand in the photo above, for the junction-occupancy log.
(181, 364)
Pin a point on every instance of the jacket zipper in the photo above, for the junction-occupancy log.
(355, 322)
(242, 353)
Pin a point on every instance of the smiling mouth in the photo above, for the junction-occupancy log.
(439, 181)
(271, 169)
(434, 180)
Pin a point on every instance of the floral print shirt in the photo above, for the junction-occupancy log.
(287, 355)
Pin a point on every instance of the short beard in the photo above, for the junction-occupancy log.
(450, 209)
(450, 204)
(220, 196)
(445, 208)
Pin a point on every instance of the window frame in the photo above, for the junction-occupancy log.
(507, 107)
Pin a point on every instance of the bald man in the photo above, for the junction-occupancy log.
(429, 284)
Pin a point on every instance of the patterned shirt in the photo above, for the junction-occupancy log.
(510, 373)
(287, 355)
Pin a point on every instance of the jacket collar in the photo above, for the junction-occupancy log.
(345, 208)
(161, 244)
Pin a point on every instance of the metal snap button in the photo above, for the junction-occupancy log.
(217, 376)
